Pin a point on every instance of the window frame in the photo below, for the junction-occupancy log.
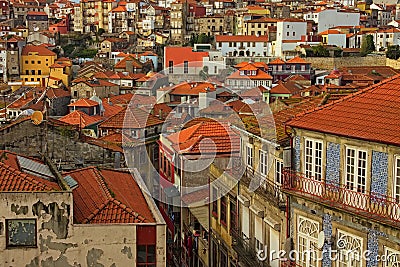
(396, 175)
(7, 230)
(356, 184)
(263, 162)
(313, 174)
(249, 156)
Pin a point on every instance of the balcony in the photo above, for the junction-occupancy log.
(246, 253)
(369, 205)
(270, 191)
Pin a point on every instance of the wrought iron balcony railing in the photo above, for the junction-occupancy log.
(355, 200)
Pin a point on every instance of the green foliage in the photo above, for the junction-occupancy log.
(337, 52)
(320, 51)
(393, 52)
(204, 73)
(200, 39)
(367, 45)
(68, 49)
(86, 53)
(101, 31)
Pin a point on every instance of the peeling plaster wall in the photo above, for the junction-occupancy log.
(61, 243)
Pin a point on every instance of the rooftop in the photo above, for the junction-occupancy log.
(370, 114)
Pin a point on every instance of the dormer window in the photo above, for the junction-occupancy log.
(241, 73)
(134, 133)
(254, 72)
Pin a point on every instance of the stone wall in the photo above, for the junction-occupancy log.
(61, 143)
(339, 62)
(393, 63)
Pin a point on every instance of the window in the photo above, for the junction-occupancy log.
(39, 72)
(146, 255)
(249, 156)
(26, 61)
(258, 233)
(396, 193)
(88, 94)
(350, 253)
(356, 169)
(32, 62)
(75, 93)
(313, 159)
(307, 241)
(21, 233)
(233, 215)
(215, 202)
(27, 72)
(263, 163)
(278, 171)
(171, 66)
(392, 257)
(39, 62)
(185, 67)
(223, 211)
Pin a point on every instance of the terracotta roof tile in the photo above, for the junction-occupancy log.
(41, 50)
(297, 60)
(84, 102)
(94, 203)
(130, 118)
(370, 114)
(80, 118)
(207, 137)
(12, 179)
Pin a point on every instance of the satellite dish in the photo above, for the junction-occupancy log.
(321, 240)
(37, 117)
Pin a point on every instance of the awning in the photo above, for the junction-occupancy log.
(201, 214)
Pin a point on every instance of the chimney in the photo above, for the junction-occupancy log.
(160, 114)
(24, 95)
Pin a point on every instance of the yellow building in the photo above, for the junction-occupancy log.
(259, 26)
(94, 14)
(35, 64)
(60, 72)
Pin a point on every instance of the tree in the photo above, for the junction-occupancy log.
(393, 52)
(320, 51)
(367, 45)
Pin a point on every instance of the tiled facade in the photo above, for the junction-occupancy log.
(379, 178)
(297, 153)
(327, 228)
(333, 163)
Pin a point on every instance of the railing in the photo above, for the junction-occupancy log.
(246, 253)
(271, 191)
(355, 200)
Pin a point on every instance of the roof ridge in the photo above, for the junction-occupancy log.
(372, 87)
(96, 211)
(128, 209)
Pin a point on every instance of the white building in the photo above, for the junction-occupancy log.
(384, 16)
(242, 45)
(330, 18)
(288, 35)
(334, 37)
(386, 37)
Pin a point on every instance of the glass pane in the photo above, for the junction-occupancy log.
(151, 253)
(141, 253)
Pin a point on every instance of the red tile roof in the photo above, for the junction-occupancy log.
(122, 64)
(191, 88)
(11, 179)
(370, 114)
(130, 118)
(80, 118)
(297, 60)
(108, 196)
(206, 137)
(41, 50)
(84, 102)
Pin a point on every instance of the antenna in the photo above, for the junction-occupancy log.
(37, 117)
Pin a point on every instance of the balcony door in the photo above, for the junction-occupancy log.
(307, 233)
(392, 258)
(313, 167)
(355, 177)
